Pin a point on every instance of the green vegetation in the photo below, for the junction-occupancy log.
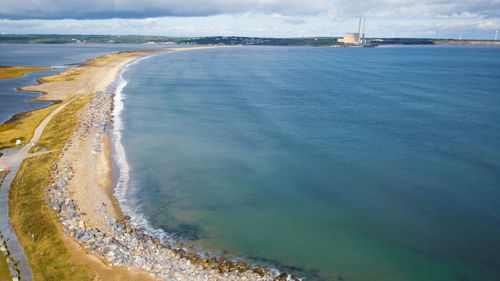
(216, 40)
(4, 269)
(219, 40)
(234, 40)
(2, 176)
(36, 226)
(17, 71)
(405, 41)
(60, 128)
(22, 126)
(63, 76)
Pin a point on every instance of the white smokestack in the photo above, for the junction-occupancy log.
(359, 31)
(364, 26)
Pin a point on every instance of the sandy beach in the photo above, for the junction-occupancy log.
(92, 182)
(94, 76)
(91, 170)
(96, 232)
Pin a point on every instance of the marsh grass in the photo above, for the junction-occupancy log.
(23, 127)
(18, 71)
(36, 226)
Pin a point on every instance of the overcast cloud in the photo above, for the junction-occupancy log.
(104, 9)
(280, 18)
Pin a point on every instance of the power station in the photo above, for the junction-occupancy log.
(355, 38)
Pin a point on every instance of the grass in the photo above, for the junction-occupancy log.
(60, 128)
(2, 175)
(49, 255)
(22, 126)
(18, 71)
(4, 269)
(63, 76)
(36, 226)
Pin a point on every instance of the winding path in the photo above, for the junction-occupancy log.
(13, 158)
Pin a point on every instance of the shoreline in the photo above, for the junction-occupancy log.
(90, 211)
(136, 220)
(120, 191)
(178, 261)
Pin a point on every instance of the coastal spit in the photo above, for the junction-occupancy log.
(79, 193)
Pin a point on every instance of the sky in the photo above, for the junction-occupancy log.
(470, 19)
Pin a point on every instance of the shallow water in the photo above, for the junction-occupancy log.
(335, 164)
(59, 56)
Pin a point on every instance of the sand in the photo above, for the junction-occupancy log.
(92, 182)
(82, 175)
(92, 173)
(84, 172)
(96, 76)
(92, 79)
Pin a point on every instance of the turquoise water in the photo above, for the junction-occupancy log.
(334, 164)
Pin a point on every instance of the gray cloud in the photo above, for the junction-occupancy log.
(103, 9)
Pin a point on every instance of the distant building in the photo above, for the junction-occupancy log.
(350, 38)
(355, 38)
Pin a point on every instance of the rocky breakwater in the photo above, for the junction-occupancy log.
(119, 243)
(11, 262)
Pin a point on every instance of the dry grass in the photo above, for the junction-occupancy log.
(18, 71)
(36, 226)
(23, 126)
(61, 127)
(51, 254)
(2, 176)
(63, 76)
(4, 269)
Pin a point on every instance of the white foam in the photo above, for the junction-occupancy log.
(124, 192)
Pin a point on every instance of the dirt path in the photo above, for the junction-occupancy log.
(13, 158)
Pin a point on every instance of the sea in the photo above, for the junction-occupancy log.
(328, 163)
(57, 56)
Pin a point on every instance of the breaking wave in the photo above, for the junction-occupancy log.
(124, 192)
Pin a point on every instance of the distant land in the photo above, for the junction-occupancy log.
(219, 40)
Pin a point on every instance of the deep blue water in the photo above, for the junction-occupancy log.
(13, 101)
(335, 164)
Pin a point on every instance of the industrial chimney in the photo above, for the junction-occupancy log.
(364, 26)
(359, 32)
